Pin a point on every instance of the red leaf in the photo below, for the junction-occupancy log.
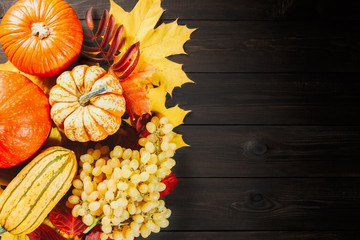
(62, 218)
(94, 234)
(45, 232)
(137, 102)
(141, 123)
(89, 19)
(104, 20)
(171, 182)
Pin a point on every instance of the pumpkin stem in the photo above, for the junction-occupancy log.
(84, 99)
(40, 30)
(2, 230)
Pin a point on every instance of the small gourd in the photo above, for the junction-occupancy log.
(35, 191)
(87, 103)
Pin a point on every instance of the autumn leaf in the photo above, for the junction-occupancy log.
(155, 44)
(62, 218)
(94, 234)
(171, 182)
(175, 114)
(135, 90)
(178, 140)
(44, 83)
(44, 232)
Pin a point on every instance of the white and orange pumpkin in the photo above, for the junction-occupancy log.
(87, 103)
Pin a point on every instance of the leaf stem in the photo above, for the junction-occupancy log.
(96, 221)
(103, 53)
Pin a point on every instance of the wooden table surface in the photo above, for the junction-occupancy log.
(274, 132)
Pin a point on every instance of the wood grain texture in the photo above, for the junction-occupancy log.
(231, 9)
(259, 235)
(274, 131)
(238, 46)
(269, 151)
(264, 204)
(270, 98)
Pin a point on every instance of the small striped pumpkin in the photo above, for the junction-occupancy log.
(35, 191)
(87, 103)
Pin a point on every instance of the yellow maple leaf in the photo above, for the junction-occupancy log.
(155, 44)
(175, 114)
(44, 83)
(140, 21)
(178, 139)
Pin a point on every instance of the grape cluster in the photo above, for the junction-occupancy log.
(120, 189)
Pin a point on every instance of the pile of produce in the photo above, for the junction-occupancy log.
(86, 142)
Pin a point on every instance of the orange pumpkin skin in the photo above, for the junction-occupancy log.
(24, 118)
(20, 36)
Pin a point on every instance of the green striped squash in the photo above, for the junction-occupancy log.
(35, 191)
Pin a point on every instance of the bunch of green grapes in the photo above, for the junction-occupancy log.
(120, 189)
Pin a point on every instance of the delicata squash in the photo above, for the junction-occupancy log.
(35, 191)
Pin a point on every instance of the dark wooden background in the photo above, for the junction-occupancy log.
(275, 129)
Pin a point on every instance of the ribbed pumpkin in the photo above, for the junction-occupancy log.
(35, 191)
(87, 103)
(24, 118)
(41, 37)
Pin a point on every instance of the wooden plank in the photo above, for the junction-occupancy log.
(239, 46)
(231, 9)
(236, 46)
(259, 235)
(264, 204)
(269, 151)
(270, 98)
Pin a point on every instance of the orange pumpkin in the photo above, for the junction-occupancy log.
(41, 37)
(87, 103)
(24, 118)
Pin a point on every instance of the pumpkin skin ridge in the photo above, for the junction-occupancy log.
(61, 126)
(78, 91)
(102, 136)
(105, 110)
(102, 124)
(79, 130)
(53, 101)
(41, 194)
(59, 83)
(71, 124)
